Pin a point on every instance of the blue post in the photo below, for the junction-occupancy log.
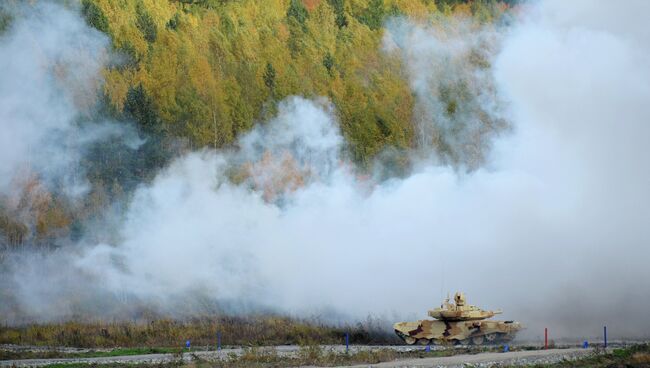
(605, 335)
(188, 343)
(428, 348)
(506, 348)
(347, 342)
(218, 340)
(585, 344)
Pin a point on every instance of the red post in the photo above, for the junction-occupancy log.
(545, 338)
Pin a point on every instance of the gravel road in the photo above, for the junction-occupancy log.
(480, 360)
(488, 359)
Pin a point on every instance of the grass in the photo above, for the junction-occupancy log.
(235, 331)
(309, 351)
(53, 354)
(168, 336)
(112, 365)
(309, 354)
(315, 355)
(636, 356)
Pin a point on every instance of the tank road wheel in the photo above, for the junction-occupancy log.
(409, 340)
(478, 340)
(424, 342)
(492, 338)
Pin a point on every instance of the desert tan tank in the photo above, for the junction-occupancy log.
(458, 323)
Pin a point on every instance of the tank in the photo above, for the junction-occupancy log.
(458, 323)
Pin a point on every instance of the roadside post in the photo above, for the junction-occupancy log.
(428, 348)
(188, 344)
(347, 342)
(506, 348)
(605, 336)
(218, 340)
(585, 344)
(545, 338)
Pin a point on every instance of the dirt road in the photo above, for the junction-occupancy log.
(484, 359)
(487, 359)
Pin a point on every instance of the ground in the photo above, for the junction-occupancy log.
(637, 355)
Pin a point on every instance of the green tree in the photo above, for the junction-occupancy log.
(328, 63)
(373, 16)
(339, 10)
(269, 77)
(146, 24)
(174, 22)
(94, 16)
(297, 11)
(139, 107)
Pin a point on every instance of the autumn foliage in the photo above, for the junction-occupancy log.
(203, 72)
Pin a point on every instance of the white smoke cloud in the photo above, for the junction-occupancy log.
(48, 85)
(576, 78)
(191, 229)
(553, 229)
(448, 66)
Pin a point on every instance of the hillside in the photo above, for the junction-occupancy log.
(211, 69)
(194, 74)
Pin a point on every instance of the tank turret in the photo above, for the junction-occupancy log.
(460, 311)
(458, 323)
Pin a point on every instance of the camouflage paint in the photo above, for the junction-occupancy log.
(457, 323)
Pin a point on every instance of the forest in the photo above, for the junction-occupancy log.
(196, 74)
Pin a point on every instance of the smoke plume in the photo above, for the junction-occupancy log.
(457, 107)
(550, 226)
(48, 87)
